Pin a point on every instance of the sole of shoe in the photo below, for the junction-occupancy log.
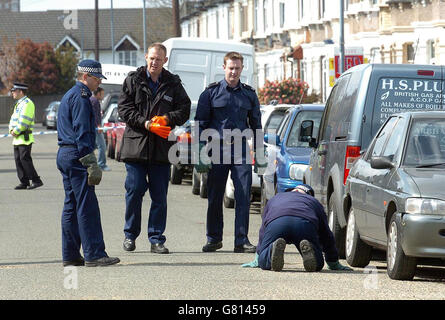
(308, 255)
(277, 255)
(105, 263)
(213, 248)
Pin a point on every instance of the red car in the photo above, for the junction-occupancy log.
(114, 134)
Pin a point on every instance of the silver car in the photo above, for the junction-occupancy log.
(395, 195)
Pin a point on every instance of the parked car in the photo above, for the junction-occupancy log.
(50, 120)
(288, 157)
(395, 197)
(360, 101)
(114, 128)
(271, 116)
(183, 134)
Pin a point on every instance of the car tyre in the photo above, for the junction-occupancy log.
(175, 175)
(399, 266)
(358, 253)
(195, 182)
(110, 150)
(339, 233)
(203, 185)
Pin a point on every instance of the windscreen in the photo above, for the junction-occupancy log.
(426, 143)
(396, 95)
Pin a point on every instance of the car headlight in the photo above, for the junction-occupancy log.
(296, 171)
(425, 206)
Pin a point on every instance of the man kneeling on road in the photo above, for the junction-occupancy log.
(296, 217)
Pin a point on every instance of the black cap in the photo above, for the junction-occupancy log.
(19, 86)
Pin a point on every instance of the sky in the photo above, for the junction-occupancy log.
(44, 5)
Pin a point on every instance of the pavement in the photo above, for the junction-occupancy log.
(31, 266)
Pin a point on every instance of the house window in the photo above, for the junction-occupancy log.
(127, 53)
(128, 58)
(244, 17)
(281, 14)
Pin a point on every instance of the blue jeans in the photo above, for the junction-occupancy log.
(81, 225)
(100, 144)
(293, 230)
(140, 178)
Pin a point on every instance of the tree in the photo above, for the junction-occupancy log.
(38, 67)
(67, 60)
(9, 64)
(288, 91)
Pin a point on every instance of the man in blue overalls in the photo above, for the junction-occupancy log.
(81, 225)
(226, 106)
(296, 217)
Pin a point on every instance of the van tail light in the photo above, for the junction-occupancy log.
(185, 137)
(352, 154)
(425, 73)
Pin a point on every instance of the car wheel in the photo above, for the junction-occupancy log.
(175, 175)
(110, 150)
(399, 266)
(339, 233)
(203, 186)
(358, 253)
(228, 202)
(263, 198)
(195, 182)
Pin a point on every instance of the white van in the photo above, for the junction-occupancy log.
(199, 62)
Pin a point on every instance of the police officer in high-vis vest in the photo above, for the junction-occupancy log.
(228, 106)
(20, 127)
(76, 161)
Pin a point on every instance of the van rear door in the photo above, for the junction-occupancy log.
(402, 88)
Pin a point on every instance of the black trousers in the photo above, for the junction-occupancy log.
(24, 165)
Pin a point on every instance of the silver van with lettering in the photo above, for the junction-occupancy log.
(362, 99)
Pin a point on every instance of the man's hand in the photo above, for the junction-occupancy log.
(94, 172)
(161, 120)
(338, 266)
(252, 264)
(156, 128)
(260, 162)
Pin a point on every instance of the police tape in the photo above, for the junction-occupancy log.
(104, 129)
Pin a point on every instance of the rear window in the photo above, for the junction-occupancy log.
(274, 121)
(396, 95)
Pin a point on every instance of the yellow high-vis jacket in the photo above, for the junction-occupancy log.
(22, 122)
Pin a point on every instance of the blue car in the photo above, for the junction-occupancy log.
(287, 156)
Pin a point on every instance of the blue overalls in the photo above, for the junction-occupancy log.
(81, 225)
(224, 109)
(294, 216)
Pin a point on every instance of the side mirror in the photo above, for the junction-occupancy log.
(306, 129)
(381, 163)
(313, 143)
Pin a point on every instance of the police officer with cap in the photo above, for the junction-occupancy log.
(21, 126)
(228, 106)
(76, 161)
(296, 217)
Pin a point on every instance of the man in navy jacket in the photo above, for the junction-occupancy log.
(296, 217)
